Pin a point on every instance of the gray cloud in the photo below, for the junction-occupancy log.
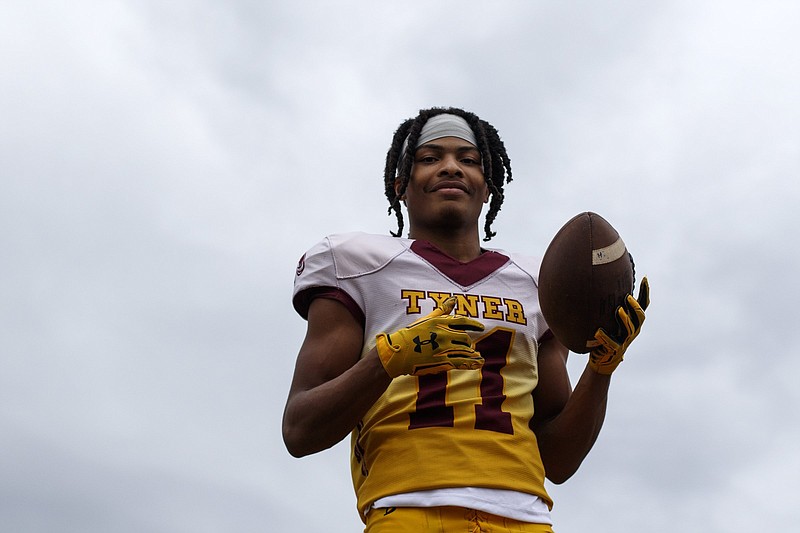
(164, 166)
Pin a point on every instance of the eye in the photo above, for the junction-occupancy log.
(470, 161)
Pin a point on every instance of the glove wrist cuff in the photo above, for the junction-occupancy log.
(386, 353)
(604, 364)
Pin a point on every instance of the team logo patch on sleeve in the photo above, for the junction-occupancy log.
(301, 265)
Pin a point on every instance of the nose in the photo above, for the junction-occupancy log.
(450, 166)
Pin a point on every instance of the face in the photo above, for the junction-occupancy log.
(447, 189)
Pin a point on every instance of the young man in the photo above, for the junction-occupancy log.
(455, 418)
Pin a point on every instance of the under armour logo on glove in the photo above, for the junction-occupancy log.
(432, 341)
(449, 344)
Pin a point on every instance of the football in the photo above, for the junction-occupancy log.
(585, 274)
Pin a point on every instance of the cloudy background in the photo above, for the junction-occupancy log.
(165, 164)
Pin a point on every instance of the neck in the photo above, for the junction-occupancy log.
(463, 247)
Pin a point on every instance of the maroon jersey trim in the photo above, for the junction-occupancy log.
(465, 274)
(545, 336)
(302, 301)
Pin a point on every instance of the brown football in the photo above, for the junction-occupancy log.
(585, 275)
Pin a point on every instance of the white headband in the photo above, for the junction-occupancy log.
(446, 125)
(443, 125)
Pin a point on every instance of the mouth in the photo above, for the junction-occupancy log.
(450, 186)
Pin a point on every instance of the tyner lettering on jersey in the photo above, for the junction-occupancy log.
(470, 305)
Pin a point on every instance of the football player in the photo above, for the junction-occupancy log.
(431, 351)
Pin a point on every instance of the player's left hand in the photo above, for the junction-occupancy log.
(609, 352)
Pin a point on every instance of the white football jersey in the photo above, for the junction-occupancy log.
(463, 428)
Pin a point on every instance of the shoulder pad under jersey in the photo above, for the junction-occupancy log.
(355, 254)
(526, 263)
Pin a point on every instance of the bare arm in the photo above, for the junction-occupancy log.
(566, 422)
(332, 388)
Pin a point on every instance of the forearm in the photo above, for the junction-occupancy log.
(565, 440)
(333, 387)
(318, 418)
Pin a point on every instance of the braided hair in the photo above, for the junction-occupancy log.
(496, 163)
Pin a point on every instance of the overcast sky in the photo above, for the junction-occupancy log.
(165, 164)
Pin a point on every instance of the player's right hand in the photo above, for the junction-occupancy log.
(437, 342)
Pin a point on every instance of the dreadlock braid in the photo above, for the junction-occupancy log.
(496, 163)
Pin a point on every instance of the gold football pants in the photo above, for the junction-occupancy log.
(445, 520)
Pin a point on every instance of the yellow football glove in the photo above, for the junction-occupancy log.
(608, 352)
(437, 342)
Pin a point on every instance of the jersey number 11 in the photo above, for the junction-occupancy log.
(433, 411)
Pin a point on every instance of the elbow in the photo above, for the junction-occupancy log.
(295, 436)
(306, 435)
(559, 476)
(293, 449)
(295, 444)
(301, 441)
(297, 452)
(559, 471)
(560, 464)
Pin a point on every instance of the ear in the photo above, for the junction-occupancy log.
(486, 195)
(398, 185)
